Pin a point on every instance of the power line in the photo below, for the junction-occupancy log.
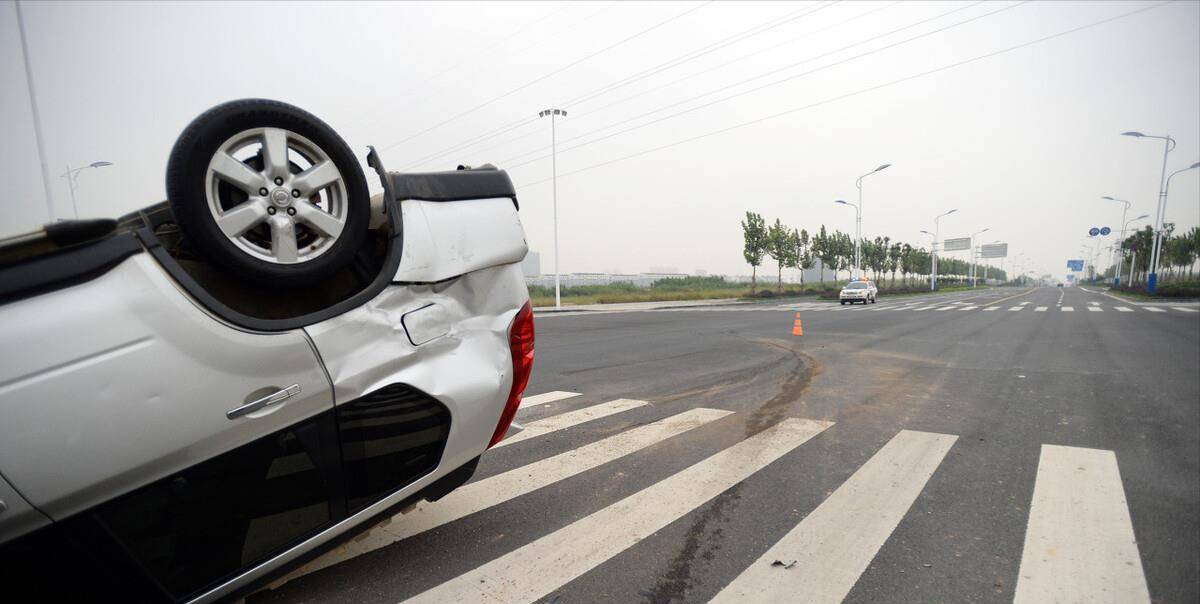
(759, 29)
(548, 75)
(764, 86)
(855, 93)
(509, 127)
(699, 52)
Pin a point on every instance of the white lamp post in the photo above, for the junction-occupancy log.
(554, 113)
(72, 176)
(858, 220)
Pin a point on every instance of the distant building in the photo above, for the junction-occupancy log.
(531, 266)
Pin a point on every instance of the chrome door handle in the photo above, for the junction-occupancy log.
(270, 399)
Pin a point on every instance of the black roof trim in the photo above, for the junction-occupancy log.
(485, 182)
(70, 266)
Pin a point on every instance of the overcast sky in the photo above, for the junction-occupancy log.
(1024, 142)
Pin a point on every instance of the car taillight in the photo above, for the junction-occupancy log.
(520, 344)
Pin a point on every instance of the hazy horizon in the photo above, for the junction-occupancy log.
(1024, 143)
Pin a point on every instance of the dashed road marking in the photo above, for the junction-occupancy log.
(548, 397)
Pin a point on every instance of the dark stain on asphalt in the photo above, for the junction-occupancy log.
(704, 536)
(795, 383)
(703, 540)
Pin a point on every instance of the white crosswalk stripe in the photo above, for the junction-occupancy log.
(990, 308)
(571, 551)
(1124, 309)
(1095, 309)
(1040, 309)
(1185, 309)
(1152, 309)
(1079, 544)
(1016, 308)
(549, 397)
(574, 418)
(834, 544)
(1068, 309)
(482, 494)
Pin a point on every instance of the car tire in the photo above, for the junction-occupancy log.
(309, 215)
(843, 302)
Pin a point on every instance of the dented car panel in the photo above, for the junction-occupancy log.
(444, 240)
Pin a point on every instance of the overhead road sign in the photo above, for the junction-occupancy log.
(993, 250)
(1075, 265)
(954, 245)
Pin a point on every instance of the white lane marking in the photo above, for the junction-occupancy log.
(573, 418)
(968, 307)
(990, 308)
(1068, 309)
(1024, 303)
(925, 307)
(1016, 308)
(947, 308)
(1094, 303)
(1123, 308)
(582, 545)
(1152, 309)
(1185, 309)
(1040, 309)
(482, 494)
(834, 544)
(1079, 544)
(1095, 309)
(548, 397)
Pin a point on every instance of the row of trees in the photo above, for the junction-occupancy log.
(797, 248)
(1178, 259)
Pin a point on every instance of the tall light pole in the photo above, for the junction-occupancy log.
(36, 117)
(72, 176)
(1168, 144)
(937, 234)
(1120, 268)
(1117, 278)
(858, 220)
(554, 113)
(973, 235)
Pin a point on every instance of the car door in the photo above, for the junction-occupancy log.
(171, 450)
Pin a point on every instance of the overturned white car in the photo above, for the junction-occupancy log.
(215, 389)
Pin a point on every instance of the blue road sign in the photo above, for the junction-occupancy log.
(1075, 265)
(1093, 231)
(1105, 230)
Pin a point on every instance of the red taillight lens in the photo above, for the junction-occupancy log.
(520, 344)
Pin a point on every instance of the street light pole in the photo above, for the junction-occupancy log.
(1117, 279)
(554, 113)
(72, 176)
(858, 221)
(936, 234)
(1168, 144)
(973, 254)
(1121, 266)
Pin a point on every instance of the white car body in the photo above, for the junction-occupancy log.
(121, 443)
(859, 291)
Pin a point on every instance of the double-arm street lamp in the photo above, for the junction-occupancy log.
(72, 175)
(1168, 144)
(554, 113)
(935, 234)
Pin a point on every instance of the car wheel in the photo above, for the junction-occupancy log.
(843, 302)
(268, 192)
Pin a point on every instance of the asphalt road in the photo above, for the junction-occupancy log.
(922, 449)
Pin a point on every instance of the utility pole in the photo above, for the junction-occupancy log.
(72, 176)
(1168, 144)
(37, 120)
(554, 113)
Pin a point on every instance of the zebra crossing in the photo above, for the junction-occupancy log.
(1079, 543)
(924, 306)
